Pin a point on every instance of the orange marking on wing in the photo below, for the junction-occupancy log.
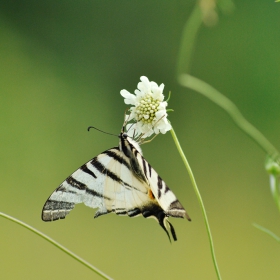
(151, 195)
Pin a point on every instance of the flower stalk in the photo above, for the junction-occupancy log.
(196, 190)
(56, 244)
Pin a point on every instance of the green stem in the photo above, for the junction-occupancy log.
(62, 248)
(199, 200)
(222, 101)
(268, 232)
(188, 40)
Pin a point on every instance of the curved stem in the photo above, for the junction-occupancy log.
(188, 40)
(199, 200)
(62, 248)
(222, 101)
(269, 232)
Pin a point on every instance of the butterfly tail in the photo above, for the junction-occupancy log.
(163, 222)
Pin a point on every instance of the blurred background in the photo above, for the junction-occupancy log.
(62, 66)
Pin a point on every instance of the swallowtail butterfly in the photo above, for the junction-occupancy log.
(118, 180)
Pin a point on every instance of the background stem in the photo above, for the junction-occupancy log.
(215, 96)
(59, 246)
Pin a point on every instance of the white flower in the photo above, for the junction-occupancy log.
(148, 112)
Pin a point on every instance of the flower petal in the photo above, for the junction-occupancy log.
(128, 97)
(144, 85)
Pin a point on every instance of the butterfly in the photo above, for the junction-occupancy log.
(118, 180)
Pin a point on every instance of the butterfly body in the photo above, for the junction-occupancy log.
(118, 180)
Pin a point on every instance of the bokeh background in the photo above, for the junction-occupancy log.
(62, 66)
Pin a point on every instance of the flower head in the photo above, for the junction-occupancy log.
(148, 113)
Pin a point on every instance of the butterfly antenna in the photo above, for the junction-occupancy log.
(101, 131)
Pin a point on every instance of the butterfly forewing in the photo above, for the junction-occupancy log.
(127, 192)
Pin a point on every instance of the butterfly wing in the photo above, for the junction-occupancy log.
(162, 193)
(118, 180)
(162, 201)
(83, 186)
(105, 182)
(126, 192)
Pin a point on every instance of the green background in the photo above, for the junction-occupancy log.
(62, 66)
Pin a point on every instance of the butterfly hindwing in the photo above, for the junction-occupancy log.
(165, 197)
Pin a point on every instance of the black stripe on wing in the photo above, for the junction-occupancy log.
(159, 184)
(54, 210)
(102, 169)
(150, 169)
(117, 157)
(134, 212)
(88, 171)
(144, 167)
(131, 153)
(176, 210)
(78, 185)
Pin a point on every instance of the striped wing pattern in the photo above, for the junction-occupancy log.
(165, 197)
(118, 180)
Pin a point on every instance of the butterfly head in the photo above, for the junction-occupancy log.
(127, 142)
